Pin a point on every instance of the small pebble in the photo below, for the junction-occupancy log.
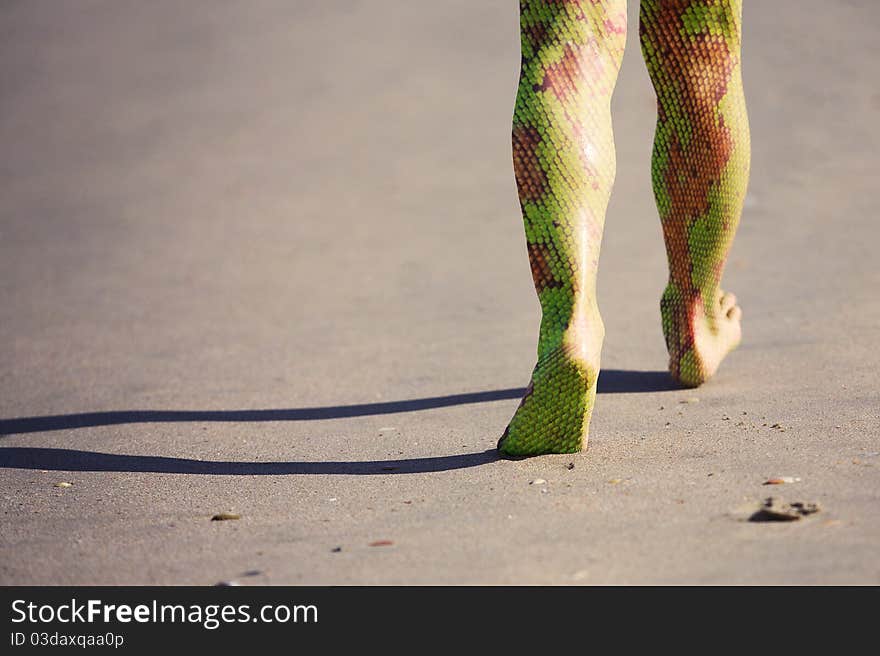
(224, 516)
(780, 480)
(380, 543)
(336, 549)
(537, 481)
(776, 510)
(63, 484)
(570, 466)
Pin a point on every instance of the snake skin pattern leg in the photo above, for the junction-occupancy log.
(700, 171)
(564, 161)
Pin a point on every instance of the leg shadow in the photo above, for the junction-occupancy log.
(611, 381)
(90, 461)
(621, 381)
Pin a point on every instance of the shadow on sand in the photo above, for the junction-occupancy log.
(610, 382)
(90, 461)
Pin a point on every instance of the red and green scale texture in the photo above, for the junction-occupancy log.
(564, 161)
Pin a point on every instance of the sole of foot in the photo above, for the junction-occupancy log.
(554, 414)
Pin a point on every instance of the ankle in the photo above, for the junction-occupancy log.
(580, 342)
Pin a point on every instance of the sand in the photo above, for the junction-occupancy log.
(266, 258)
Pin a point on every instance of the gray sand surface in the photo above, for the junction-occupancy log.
(266, 257)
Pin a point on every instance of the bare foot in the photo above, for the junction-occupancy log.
(554, 415)
(698, 337)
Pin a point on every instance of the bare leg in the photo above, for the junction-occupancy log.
(700, 171)
(563, 151)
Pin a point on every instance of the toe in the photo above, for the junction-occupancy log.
(728, 302)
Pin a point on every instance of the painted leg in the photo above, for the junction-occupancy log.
(563, 154)
(700, 171)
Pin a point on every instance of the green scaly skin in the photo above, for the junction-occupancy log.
(563, 152)
(700, 171)
(564, 162)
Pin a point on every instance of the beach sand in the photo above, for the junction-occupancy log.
(266, 258)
